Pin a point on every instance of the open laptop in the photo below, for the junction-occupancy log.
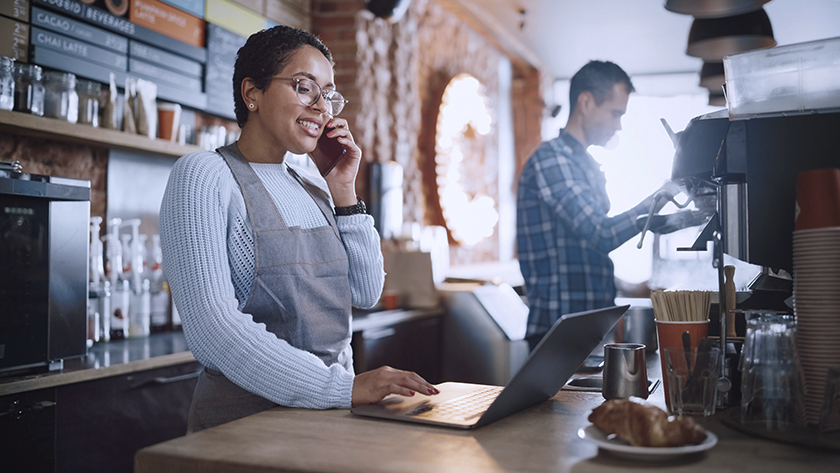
(470, 406)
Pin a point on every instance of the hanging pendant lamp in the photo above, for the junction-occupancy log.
(712, 77)
(717, 100)
(713, 8)
(712, 39)
(391, 10)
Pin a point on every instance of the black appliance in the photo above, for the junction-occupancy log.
(751, 165)
(746, 169)
(44, 232)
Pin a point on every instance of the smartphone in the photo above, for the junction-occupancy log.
(593, 364)
(327, 153)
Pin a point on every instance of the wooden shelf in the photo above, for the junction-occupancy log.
(50, 128)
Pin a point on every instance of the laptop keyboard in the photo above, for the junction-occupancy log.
(466, 407)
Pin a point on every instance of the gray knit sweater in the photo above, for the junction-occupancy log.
(208, 259)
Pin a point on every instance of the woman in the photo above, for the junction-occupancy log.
(263, 260)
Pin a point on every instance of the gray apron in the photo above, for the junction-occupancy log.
(301, 292)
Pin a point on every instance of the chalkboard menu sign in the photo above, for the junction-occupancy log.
(78, 30)
(14, 29)
(14, 39)
(222, 46)
(15, 9)
(78, 49)
(119, 25)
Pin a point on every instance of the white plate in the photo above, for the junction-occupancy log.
(620, 448)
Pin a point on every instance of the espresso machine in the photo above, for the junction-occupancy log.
(746, 170)
(43, 270)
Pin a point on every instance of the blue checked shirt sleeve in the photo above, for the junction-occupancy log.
(566, 189)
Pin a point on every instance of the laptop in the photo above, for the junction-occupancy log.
(470, 406)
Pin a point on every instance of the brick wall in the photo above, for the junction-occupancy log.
(394, 76)
(55, 158)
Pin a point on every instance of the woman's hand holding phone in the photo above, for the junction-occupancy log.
(337, 157)
(328, 152)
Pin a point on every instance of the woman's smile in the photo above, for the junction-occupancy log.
(311, 127)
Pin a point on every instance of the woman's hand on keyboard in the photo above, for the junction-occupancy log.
(373, 386)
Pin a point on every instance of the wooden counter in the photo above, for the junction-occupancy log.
(542, 438)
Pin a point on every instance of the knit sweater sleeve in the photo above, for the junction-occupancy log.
(193, 226)
(367, 274)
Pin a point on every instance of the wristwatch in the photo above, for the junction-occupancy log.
(358, 208)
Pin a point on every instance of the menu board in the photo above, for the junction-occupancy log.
(103, 19)
(164, 59)
(15, 9)
(196, 7)
(222, 46)
(81, 49)
(233, 17)
(78, 30)
(14, 39)
(168, 20)
(159, 74)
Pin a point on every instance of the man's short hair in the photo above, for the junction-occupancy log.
(598, 78)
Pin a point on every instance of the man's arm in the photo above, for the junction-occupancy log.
(567, 192)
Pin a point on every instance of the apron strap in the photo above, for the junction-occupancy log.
(321, 198)
(262, 212)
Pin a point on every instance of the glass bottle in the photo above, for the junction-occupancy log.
(105, 312)
(7, 83)
(88, 102)
(120, 305)
(139, 323)
(61, 99)
(29, 90)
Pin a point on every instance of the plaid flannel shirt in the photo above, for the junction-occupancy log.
(564, 236)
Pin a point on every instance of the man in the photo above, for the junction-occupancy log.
(564, 236)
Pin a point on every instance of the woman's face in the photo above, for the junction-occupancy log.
(285, 122)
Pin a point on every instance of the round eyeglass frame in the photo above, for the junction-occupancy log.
(327, 95)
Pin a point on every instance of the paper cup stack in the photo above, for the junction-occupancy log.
(816, 281)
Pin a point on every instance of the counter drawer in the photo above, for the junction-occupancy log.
(27, 431)
(102, 423)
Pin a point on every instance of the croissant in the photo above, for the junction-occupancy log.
(645, 426)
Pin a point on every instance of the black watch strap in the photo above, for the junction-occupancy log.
(358, 208)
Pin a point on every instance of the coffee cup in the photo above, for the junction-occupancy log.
(625, 372)
(169, 116)
(817, 199)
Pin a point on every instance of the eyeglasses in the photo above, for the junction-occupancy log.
(309, 91)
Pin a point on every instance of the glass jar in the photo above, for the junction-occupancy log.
(7, 83)
(88, 102)
(29, 90)
(61, 100)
